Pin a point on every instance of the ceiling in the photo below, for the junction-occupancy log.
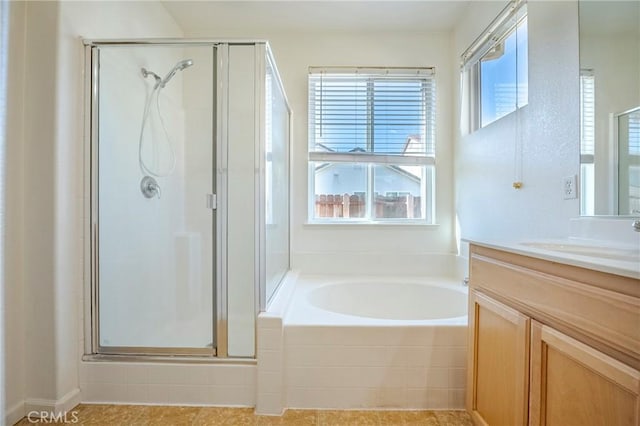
(215, 18)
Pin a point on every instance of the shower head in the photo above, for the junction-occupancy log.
(178, 67)
(184, 64)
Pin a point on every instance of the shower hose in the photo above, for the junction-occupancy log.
(147, 170)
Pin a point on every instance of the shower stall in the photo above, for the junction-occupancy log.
(187, 190)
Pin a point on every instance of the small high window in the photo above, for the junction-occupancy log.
(497, 68)
(371, 145)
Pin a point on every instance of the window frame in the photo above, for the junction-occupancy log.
(371, 160)
(501, 28)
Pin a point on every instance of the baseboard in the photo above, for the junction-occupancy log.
(15, 413)
(55, 407)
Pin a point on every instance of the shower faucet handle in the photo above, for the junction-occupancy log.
(150, 187)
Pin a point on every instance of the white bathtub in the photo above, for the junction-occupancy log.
(372, 342)
(326, 300)
(400, 300)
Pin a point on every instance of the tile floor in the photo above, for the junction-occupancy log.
(134, 415)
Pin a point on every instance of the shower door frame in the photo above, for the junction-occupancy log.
(92, 347)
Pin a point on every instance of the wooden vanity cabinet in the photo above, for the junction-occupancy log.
(551, 344)
(499, 391)
(574, 384)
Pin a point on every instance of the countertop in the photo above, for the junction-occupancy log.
(608, 263)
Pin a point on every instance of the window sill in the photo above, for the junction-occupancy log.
(318, 223)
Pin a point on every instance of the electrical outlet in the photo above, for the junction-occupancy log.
(569, 188)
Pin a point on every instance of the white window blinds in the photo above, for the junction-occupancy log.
(634, 133)
(375, 115)
(587, 116)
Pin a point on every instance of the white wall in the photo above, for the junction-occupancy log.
(13, 304)
(39, 182)
(294, 53)
(487, 205)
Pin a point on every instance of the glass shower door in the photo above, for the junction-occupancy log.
(155, 179)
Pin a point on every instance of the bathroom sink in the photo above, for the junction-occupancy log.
(627, 254)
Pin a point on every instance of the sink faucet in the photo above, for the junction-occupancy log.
(636, 225)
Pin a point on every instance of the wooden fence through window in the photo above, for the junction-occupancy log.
(404, 206)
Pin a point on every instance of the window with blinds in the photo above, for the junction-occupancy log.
(587, 116)
(587, 142)
(371, 144)
(634, 132)
(383, 113)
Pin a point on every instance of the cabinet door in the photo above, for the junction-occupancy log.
(498, 371)
(574, 384)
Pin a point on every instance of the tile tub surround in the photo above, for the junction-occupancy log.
(375, 367)
(121, 415)
(335, 361)
(270, 349)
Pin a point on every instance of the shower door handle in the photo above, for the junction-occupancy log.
(212, 201)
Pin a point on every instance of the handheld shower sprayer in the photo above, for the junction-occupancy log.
(160, 83)
(178, 67)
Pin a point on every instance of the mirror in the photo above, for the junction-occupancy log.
(609, 107)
